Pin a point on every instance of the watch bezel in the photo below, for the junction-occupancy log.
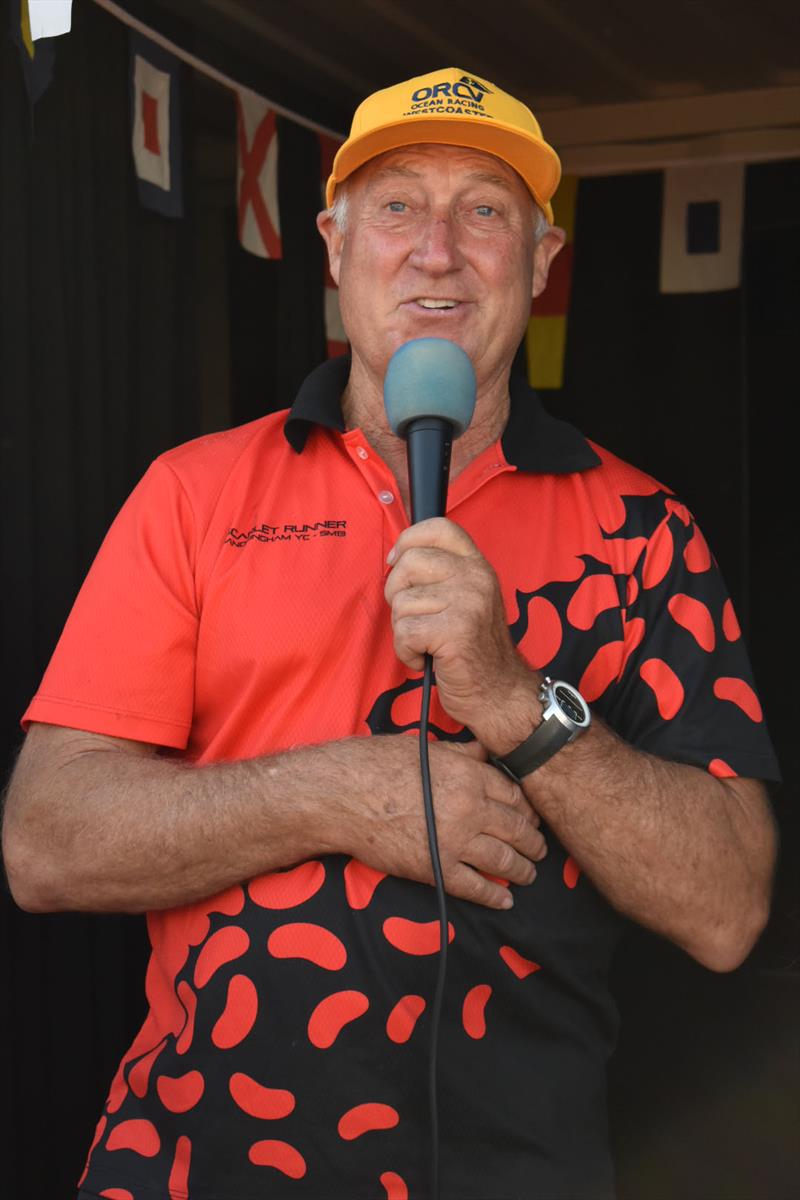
(555, 730)
(548, 695)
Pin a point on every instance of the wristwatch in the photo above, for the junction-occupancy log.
(566, 715)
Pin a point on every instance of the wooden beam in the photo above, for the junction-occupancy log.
(648, 120)
(617, 158)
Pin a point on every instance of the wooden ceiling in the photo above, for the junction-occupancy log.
(687, 69)
(554, 54)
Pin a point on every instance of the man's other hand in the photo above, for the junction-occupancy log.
(484, 823)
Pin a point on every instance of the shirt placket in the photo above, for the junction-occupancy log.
(382, 484)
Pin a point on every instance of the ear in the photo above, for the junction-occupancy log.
(334, 240)
(547, 248)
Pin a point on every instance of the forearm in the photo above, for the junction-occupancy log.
(106, 830)
(104, 824)
(681, 852)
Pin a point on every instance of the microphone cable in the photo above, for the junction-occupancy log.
(429, 392)
(433, 845)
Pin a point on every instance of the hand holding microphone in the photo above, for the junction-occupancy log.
(444, 595)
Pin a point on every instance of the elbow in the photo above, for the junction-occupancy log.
(727, 946)
(33, 883)
(728, 940)
(43, 879)
(30, 894)
(32, 901)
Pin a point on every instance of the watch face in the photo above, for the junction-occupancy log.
(570, 703)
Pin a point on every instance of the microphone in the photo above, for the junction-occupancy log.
(429, 394)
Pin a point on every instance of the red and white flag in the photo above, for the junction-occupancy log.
(335, 335)
(257, 176)
(155, 125)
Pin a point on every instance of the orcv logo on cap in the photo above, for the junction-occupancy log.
(450, 107)
(464, 88)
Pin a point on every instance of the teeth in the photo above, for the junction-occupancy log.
(437, 303)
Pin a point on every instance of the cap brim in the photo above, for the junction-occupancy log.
(535, 162)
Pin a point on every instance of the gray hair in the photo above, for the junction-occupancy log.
(338, 210)
(540, 223)
(341, 203)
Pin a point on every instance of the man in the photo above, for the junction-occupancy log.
(197, 748)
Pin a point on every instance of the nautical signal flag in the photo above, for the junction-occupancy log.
(335, 336)
(257, 176)
(546, 335)
(49, 18)
(156, 125)
(701, 228)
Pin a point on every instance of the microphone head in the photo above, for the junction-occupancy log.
(429, 377)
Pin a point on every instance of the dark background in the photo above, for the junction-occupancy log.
(123, 333)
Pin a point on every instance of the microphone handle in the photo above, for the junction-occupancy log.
(429, 441)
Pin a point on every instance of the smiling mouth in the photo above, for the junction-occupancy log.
(434, 305)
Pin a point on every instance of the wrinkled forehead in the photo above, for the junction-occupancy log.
(419, 161)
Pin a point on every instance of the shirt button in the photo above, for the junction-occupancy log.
(386, 497)
(362, 452)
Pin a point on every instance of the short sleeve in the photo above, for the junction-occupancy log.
(686, 690)
(125, 662)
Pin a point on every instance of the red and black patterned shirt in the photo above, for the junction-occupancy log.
(235, 609)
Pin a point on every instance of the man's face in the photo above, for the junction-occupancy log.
(439, 242)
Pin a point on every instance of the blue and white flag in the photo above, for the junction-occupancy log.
(156, 126)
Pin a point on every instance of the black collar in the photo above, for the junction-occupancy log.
(532, 439)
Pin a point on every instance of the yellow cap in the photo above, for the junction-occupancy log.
(452, 107)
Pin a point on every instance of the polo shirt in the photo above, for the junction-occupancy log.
(236, 609)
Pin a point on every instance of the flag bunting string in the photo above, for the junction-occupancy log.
(205, 68)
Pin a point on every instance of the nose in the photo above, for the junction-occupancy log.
(436, 248)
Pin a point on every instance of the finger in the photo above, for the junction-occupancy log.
(412, 641)
(417, 566)
(498, 786)
(515, 828)
(436, 532)
(466, 883)
(487, 853)
(420, 600)
(514, 798)
(418, 635)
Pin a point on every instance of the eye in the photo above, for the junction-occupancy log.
(396, 206)
(485, 210)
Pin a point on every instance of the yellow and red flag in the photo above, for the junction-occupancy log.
(546, 336)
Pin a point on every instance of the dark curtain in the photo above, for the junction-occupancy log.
(99, 373)
(99, 303)
(96, 365)
(97, 336)
(697, 390)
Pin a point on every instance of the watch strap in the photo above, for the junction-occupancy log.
(545, 741)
